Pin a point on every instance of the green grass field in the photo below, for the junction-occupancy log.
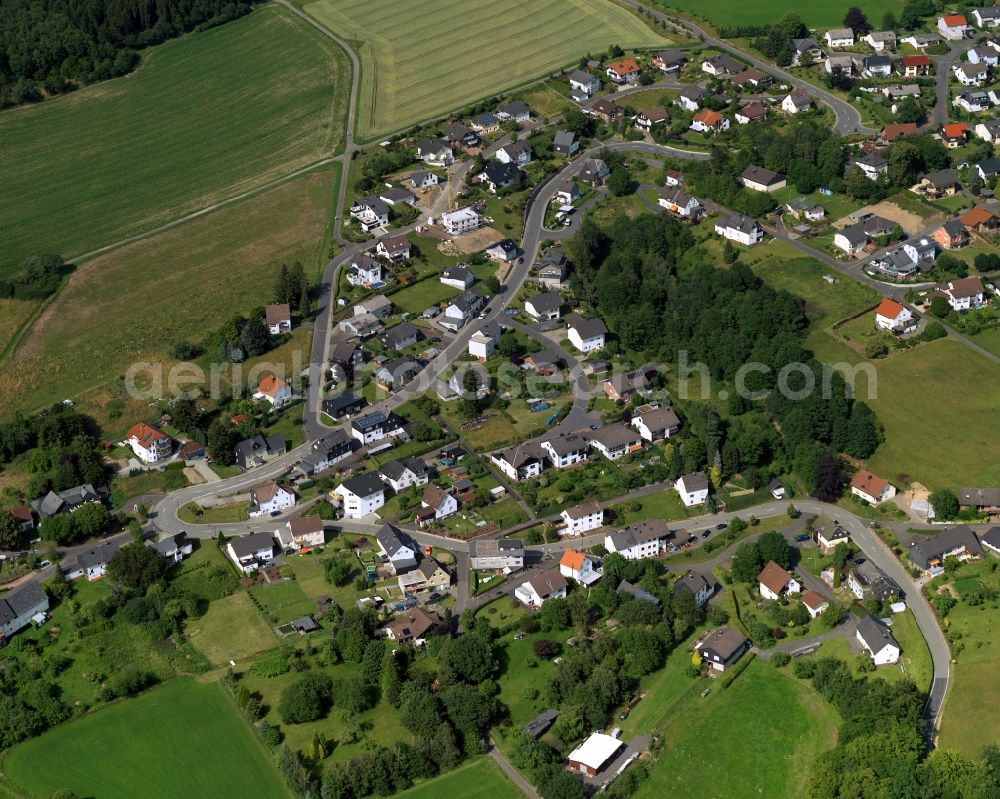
(206, 116)
(183, 739)
(756, 738)
(822, 15)
(423, 59)
(477, 779)
(184, 281)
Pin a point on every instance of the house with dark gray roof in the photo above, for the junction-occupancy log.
(877, 641)
(334, 447)
(257, 451)
(930, 552)
(722, 647)
(251, 552)
(538, 725)
(19, 606)
(93, 563)
(397, 547)
(52, 504)
(495, 554)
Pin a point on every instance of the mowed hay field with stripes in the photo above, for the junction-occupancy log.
(205, 117)
(423, 58)
(727, 13)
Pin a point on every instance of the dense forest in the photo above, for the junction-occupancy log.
(55, 46)
(663, 299)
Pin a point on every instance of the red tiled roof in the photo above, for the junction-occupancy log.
(774, 577)
(868, 483)
(954, 130)
(976, 216)
(889, 309)
(707, 116)
(916, 61)
(954, 20)
(623, 67)
(271, 385)
(894, 131)
(572, 559)
(812, 599)
(145, 434)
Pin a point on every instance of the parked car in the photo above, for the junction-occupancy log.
(706, 534)
(721, 526)
(802, 537)
(692, 539)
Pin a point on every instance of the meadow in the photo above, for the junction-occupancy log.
(477, 779)
(134, 303)
(182, 739)
(821, 15)
(423, 59)
(205, 117)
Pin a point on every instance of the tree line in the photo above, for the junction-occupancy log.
(53, 46)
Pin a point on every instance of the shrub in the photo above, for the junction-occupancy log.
(306, 699)
(271, 666)
(780, 659)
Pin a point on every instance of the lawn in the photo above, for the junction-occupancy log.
(970, 720)
(477, 779)
(232, 629)
(13, 314)
(404, 80)
(417, 298)
(206, 116)
(759, 753)
(820, 15)
(282, 602)
(155, 481)
(182, 739)
(92, 332)
(193, 513)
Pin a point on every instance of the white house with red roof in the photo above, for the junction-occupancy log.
(953, 26)
(815, 602)
(275, 390)
(775, 582)
(269, 497)
(149, 444)
(624, 70)
(574, 565)
(894, 317)
(871, 489)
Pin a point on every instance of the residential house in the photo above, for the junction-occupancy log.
(393, 248)
(839, 37)
(873, 490)
(370, 213)
(565, 143)
(504, 251)
(647, 120)
(362, 326)
(722, 647)
(485, 123)
(514, 111)
(422, 179)
(913, 66)
(544, 307)
(964, 294)
(777, 488)
(553, 270)
(66, 501)
(582, 518)
(952, 235)
(935, 185)
(458, 276)
(397, 195)
(275, 390)
(873, 165)
(775, 582)
(361, 496)
(484, 341)
(496, 554)
(251, 552)
(325, 452)
(868, 581)
(346, 357)
(439, 501)
(751, 79)
(568, 192)
(979, 219)
(435, 152)
(953, 26)
(365, 271)
(269, 498)
(412, 625)
(895, 131)
(93, 563)
(461, 309)
(461, 221)
(19, 607)
(876, 66)
(700, 587)
(343, 404)
(460, 135)
(759, 179)
(411, 472)
(670, 60)
(584, 82)
(615, 441)
(804, 208)
(577, 566)
(679, 203)
(519, 153)
(302, 533)
(986, 17)
(625, 587)
(722, 65)
(901, 92)
(740, 228)
(929, 552)
(881, 40)
(692, 488)
(397, 548)
(400, 336)
(586, 335)
(856, 237)
(690, 98)
(802, 47)
(972, 101)
(709, 121)
(983, 54)
(623, 386)
(991, 540)
(656, 423)
(428, 576)
(566, 450)
(981, 500)
(23, 516)
(815, 602)
(921, 40)
(752, 112)
(499, 175)
(594, 171)
(839, 63)
(549, 584)
(645, 539)
(894, 317)
(624, 70)
(895, 263)
(877, 641)
(607, 111)
(393, 375)
(378, 306)
(520, 462)
(148, 443)
(256, 451)
(278, 318)
(971, 74)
